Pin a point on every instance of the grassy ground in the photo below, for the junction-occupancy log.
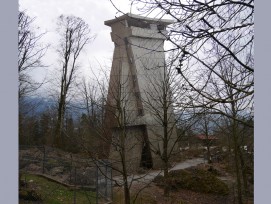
(154, 195)
(51, 192)
(118, 197)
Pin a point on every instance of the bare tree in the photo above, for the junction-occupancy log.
(236, 108)
(91, 108)
(118, 118)
(239, 109)
(118, 133)
(75, 35)
(91, 99)
(200, 27)
(206, 35)
(30, 53)
(162, 99)
(205, 126)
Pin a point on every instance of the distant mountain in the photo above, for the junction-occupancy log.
(40, 104)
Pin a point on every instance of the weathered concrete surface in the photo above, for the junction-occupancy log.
(138, 63)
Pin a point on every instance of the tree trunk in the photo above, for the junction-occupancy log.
(166, 189)
(126, 192)
(208, 154)
(238, 176)
(236, 156)
(125, 179)
(59, 125)
(244, 172)
(165, 150)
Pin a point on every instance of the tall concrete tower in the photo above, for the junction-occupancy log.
(138, 70)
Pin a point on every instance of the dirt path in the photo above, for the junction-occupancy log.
(148, 190)
(149, 176)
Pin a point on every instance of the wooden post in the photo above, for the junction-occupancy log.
(44, 158)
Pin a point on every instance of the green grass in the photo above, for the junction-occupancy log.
(118, 198)
(54, 193)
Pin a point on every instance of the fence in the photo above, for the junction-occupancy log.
(49, 175)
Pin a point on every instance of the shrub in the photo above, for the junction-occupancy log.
(29, 195)
(196, 180)
(159, 180)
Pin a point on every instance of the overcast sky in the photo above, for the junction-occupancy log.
(94, 12)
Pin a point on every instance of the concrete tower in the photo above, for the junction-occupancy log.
(138, 62)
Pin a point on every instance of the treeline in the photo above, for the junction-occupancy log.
(80, 131)
(55, 126)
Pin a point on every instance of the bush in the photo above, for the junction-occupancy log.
(195, 180)
(213, 171)
(29, 195)
(159, 180)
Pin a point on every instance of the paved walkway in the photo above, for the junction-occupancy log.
(149, 176)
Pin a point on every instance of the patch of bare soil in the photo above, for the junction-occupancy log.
(182, 196)
(63, 167)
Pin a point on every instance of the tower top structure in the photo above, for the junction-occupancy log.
(131, 25)
(139, 21)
